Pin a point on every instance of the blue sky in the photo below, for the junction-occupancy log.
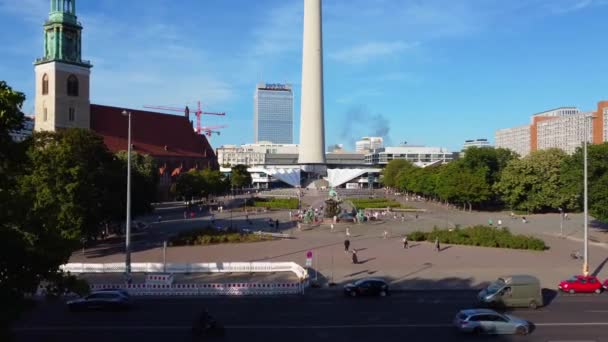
(431, 72)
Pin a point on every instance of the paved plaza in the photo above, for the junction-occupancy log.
(418, 267)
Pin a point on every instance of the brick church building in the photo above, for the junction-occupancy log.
(62, 101)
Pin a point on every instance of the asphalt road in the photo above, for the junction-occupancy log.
(318, 316)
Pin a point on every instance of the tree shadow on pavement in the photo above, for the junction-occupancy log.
(600, 267)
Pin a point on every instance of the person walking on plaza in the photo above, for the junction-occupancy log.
(347, 232)
(385, 235)
(405, 242)
(490, 222)
(346, 245)
(355, 259)
(437, 246)
(332, 227)
(276, 225)
(523, 219)
(499, 223)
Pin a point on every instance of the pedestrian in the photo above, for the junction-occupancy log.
(355, 259)
(523, 219)
(335, 219)
(332, 227)
(347, 232)
(565, 216)
(346, 245)
(299, 227)
(405, 242)
(402, 217)
(385, 234)
(289, 215)
(490, 222)
(416, 216)
(276, 225)
(192, 214)
(499, 223)
(437, 246)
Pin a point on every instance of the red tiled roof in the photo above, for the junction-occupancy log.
(150, 133)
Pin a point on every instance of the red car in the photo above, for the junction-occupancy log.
(581, 283)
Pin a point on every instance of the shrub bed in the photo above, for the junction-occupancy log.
(209, 236)
(276, 203)
(379, 203)
(482, 236)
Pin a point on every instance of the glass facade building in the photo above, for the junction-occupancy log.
(273, 113)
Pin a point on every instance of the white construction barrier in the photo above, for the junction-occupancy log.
(203, 289)
(214, 267)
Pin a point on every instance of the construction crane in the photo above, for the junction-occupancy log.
(212, 130)
(199, 112)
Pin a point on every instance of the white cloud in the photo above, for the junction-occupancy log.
(366, 52)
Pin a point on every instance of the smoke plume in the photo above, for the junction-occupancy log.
(360, 122)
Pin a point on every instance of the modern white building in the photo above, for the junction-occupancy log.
(475, 143)
(421, 156)
(564, 132)
(252, 154)
(516, 139)
(273, 113)
(25, 131)
(368, 144)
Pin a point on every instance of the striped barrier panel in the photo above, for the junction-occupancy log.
(230, 289)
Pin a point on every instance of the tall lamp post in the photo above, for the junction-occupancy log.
(128, 225)
(585, 200)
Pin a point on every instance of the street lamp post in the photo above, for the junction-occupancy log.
(585, 200)
(128, 224)
(561, 221)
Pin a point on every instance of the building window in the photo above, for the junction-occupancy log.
(44, 114)
(72, 114)
(45, 84)
(72, 86)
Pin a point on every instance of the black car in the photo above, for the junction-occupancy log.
(367, 287)
(101, 300)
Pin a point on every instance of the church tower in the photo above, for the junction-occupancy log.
(62, 77)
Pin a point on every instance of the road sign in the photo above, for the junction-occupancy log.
(308, 258)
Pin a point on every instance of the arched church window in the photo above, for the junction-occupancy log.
(72, 114)
(45, 84)
(72, 86)
(44, 114)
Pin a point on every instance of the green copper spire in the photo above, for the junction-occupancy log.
(62, 35)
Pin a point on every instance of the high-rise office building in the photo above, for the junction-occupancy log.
(273, 113)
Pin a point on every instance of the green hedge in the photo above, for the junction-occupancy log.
(209, 236)
(380, 203)
(482, 236)
(276, 203)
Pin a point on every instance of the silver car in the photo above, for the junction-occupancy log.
(486, 321)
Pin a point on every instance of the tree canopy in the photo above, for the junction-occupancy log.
(239, 176)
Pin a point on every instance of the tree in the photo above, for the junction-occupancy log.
(389, 174)
(535, 183)
(572, 178)
(239, 176)
(190, 184)
(68, 179)
(144, 181)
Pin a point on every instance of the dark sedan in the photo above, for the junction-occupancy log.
(367, 287)
(102, 300)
